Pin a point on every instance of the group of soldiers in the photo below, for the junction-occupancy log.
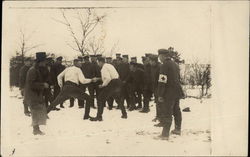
(49, 82)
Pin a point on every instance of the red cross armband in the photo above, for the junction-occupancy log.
(163, 78)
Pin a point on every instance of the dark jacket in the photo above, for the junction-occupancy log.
(124, 72)
(147, 77)
(169, 81)
(34, 86)
(56, 69)
(155, 71)
(88, 70)
(137, 79)
(22, 76)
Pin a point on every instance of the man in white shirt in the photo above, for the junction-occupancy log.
(111, 87)
(73, 76)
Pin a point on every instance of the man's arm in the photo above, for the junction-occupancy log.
(105, 77)
(162, 81)
(60, 78)
(32, 79)
(81, 77)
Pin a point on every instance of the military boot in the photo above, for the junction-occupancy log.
(176, 131)
(37, 131)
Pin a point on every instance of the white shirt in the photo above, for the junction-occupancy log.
(73, 74)
(108, 73)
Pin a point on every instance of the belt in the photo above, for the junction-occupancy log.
(70, 83)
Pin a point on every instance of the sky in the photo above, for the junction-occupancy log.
(137, 28)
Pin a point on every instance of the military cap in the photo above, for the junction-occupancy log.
(133, 58)
(163, 51)
(153, 57)
(99, 55)
(77, 59)
(101, 59)
(108, 57)
(80, 58)
(92, 56)
(118, 55)
(125, 56)
(147, 54)
(40, 56)
(143, 58)
(59, 58)
(86, 57)
(28, 59)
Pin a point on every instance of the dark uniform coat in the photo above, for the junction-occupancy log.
(169, 81)
(22, 76)
(33, 95)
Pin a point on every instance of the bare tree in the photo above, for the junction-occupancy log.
(198, 71)
(87, 24)
(25, 45)
(96, 46)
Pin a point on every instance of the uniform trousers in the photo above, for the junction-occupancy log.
(168, 108)
(113, 89)
(72, 90)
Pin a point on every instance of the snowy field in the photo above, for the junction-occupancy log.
(67, 134)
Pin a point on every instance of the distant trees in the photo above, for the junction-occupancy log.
(197, 74)
(25, 45)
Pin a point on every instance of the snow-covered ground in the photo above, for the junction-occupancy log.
(67, 134)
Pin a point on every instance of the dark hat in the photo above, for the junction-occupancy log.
(108, 57)
(118, 55)
(86, 57)
(92, 56)
(163, 51)
(77, 59)
(28, 59)
(133, 58)
(59, 58)
(101, 59)
(99, 55)
(147, 54)
(80, 58)
(153, 57)
(49, 58)
(143, 58)
(125, 56)
(40, 56)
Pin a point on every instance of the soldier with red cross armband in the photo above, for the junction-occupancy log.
(169, 92)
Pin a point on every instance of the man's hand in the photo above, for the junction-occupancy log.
(95, 79)
(100, 86)
(22, 92)
(46, 85)
(160, 99)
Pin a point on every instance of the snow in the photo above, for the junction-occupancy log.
(67, 134)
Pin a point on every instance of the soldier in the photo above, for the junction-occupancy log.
(33, 93)
(73, 76)
(22, 79)
(56, 69)
(155, 70)
(111, 87)
(169, 92)
(88, 70)
(82, 86)
(124, 74)
(137, 77)
(133, 59)
(147, 89)
(109, 60)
